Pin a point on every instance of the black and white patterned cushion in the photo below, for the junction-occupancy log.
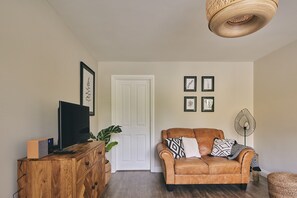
(176, 147)
(222, 147)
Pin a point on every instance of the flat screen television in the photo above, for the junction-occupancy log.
(74, 124)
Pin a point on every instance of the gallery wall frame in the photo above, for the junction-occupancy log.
(190, 104)
(207, 83)
(207, 104)
(87, 87)
(190, 83)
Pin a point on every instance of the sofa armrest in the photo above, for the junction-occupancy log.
(167, 162)
(243, 154)
(245, 159)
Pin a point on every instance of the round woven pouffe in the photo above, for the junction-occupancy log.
(282, 184)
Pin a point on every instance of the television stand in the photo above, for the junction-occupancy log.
(79, 175)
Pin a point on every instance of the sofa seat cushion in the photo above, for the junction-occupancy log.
(220, 165)
(190, 166)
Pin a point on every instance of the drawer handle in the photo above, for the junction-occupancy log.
(87, 163)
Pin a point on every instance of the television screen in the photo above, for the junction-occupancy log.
(74, 124)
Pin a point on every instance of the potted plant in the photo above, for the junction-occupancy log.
(105, 135)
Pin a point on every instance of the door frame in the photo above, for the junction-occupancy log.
(151, 79)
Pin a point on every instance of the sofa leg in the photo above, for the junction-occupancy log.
(170, 187)
(243, 186)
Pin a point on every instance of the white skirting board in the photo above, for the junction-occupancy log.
(153, 170)
(264, 173)
(156, 169)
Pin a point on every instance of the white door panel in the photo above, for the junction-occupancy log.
(132, 112)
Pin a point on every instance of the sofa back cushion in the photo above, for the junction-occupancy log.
(177, 132)
(205, 138)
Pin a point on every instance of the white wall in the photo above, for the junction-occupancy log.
(39, 66)
(233, 92)
(275, 96)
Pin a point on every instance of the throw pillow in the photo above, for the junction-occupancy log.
(222, 147)
(191, 147)
(176, 147)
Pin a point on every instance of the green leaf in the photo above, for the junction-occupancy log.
(105, 135)
(92, 136)
(110, 145)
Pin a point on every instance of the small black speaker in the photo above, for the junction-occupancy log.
(50, 145)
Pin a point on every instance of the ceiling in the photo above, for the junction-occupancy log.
(167, 30)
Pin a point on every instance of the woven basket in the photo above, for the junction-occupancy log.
(282, 184)
(107, 172)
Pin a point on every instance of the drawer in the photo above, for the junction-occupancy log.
(99, 154)
(84, 164)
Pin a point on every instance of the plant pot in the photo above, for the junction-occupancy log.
(107, 172)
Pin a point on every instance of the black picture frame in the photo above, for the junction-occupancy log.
(190, 104)
(87, 87)
(207, 83)
(207, 104)
(190, 83)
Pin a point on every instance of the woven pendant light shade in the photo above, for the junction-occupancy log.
(235, 18)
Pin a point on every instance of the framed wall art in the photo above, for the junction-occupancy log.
(190, 83)
(207, 83)
(87, 87)
(190, 103)
(207, 104)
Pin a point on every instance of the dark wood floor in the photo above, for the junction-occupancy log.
(143, 184)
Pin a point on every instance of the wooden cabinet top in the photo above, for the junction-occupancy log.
(79, 149)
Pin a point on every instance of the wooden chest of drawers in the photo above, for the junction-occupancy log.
(69, 175)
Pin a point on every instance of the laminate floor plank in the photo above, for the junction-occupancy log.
(144, 184)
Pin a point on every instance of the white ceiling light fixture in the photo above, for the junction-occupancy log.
(235, 18)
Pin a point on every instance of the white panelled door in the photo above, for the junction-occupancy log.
(132, 112)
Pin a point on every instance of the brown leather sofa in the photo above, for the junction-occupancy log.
(207, 169)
